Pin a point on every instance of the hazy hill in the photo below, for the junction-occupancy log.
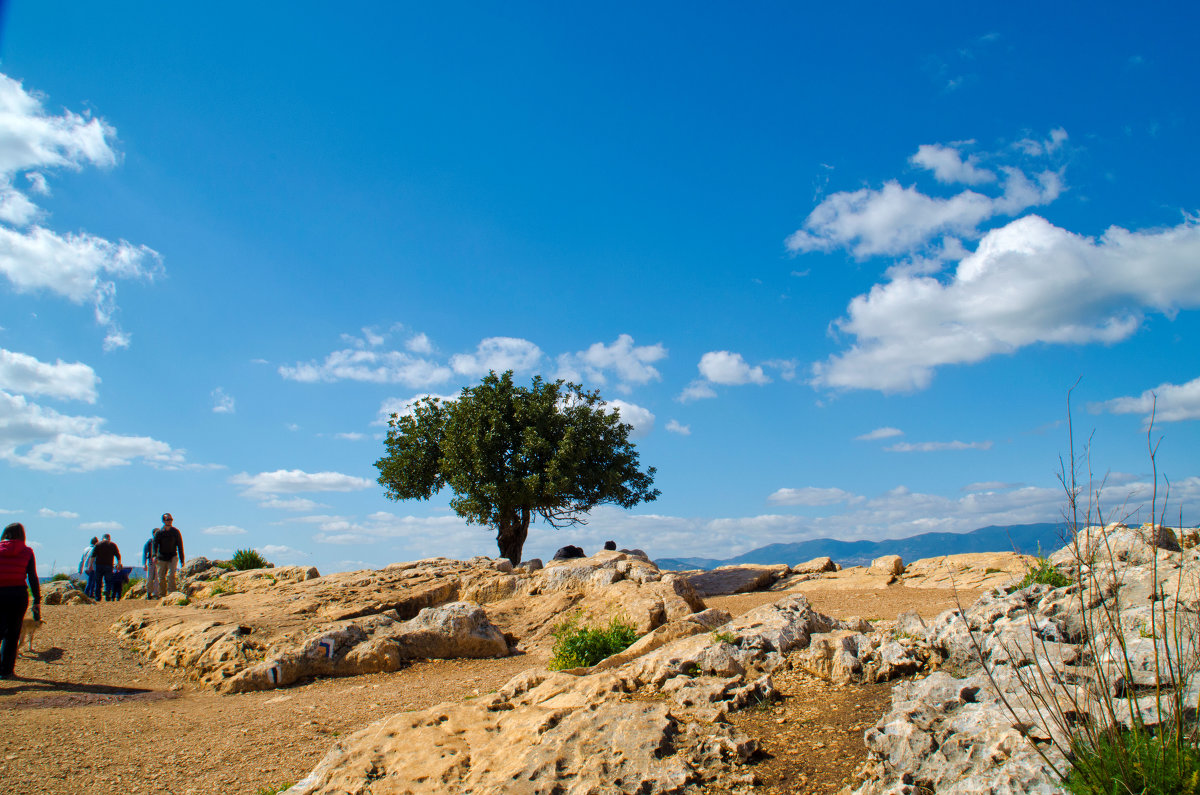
(1013, 538)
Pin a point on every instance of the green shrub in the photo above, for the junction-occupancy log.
(130, 583)
(580, 647)
(724, 637)
(1135, 761)
(59, 577)
(1045, 573)
(245, 559)
(269, 790)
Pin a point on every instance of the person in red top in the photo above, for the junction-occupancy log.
(17, 565)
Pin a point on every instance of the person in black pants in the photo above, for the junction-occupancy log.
(17, 565)
(106, 552)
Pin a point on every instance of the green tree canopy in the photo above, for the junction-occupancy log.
(511, 453)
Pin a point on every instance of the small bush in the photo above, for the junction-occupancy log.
(60, 577)
(724, 637)
(245, 559)
(130, 583)
(269, 790)
(1044, 573)
(1136, 761)
(580, 647)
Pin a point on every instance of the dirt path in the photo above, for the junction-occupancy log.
(88, 716)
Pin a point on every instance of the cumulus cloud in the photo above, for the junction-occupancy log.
(79, 267)
(948, 165)
(674, 426)
(1168, 402)
(280, 550)
(630, 363)
(265, 485)
(350, 436)
(222, 403)
(810, 495)
(499, 354)
(299, 504)
(52, 514)
(642, 419)
(420, 344)
(898, 220)
(1027, 282)
(377, 367)
(41, 438)
(696, 390)
(106, 527)
(879, 433)
(725, 367)
(935, 447)
(24, 375)
(224, 530)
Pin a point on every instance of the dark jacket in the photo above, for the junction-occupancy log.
(106, 552)
(168, 543)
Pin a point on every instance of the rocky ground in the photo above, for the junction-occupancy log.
(91, 714)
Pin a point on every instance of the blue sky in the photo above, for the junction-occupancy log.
(838, 268)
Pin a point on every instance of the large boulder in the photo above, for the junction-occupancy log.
(890, 565)
(64, 592)
(736, 579)
(815, 566)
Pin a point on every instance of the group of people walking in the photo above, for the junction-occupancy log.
(161, 555)
(101, 562)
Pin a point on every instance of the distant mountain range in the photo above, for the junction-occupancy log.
(1024, 538)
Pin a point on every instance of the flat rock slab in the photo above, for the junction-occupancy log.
(736, 579)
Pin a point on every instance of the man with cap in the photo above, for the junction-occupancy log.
(168, 553)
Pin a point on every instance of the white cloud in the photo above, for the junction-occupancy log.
(293, 504)
(79, 267)
(632, 364)
(350, 436)
(642, 419)
(725, 367)
(990, 485)
(59, 442)
(224, 530)
(403, 407)
(51, 514)
(275, 550)
(810, 495)
(948, 165)
(295, 481)
(1169, 403)
(498, 354)
(675, 427)
(935, 447)
(1050, 145)
(378, 367)
(697, 390)
(420, 343)
(102, 526)
(1027, 282)
(222, 403)
(897, 220)
(879, 433)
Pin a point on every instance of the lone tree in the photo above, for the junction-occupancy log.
(509, 453)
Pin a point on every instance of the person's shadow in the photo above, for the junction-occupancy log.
(52, 654)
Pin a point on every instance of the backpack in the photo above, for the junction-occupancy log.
(167, 543)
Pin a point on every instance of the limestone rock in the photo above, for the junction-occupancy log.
(815, 566)
(736, 579)
(64, 592)
(890, 565)
(554, 735)
(279, 615)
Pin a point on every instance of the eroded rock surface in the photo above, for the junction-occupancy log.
(655, 724)
(265, 628)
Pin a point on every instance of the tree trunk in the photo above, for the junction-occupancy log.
(510, 536)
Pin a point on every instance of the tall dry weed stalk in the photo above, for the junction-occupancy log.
(1089, 722)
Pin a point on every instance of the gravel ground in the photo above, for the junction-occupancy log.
(87, 715)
